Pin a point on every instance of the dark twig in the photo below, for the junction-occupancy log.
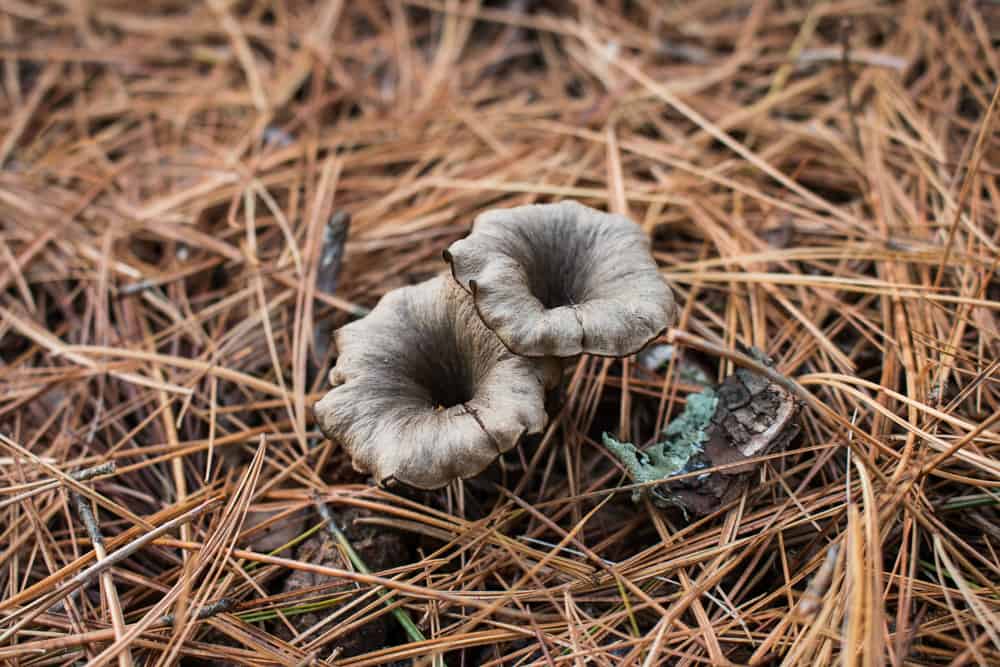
(330, 257)
(332, 252)
(86, 513)
(845, 64)
(220, 606)
(89, 522)
(108, 468)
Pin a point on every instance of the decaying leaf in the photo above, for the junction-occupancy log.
(748, 416)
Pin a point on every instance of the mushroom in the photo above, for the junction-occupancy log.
(424, 393)
(563, 279)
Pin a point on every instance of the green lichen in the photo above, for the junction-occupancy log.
(687, 432)
(683, 441)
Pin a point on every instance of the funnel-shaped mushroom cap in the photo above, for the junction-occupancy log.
(424, 393)
(563, 279)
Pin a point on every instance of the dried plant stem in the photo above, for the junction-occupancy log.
(107, 583)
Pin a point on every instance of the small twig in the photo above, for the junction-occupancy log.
(332, 251)
(108, 468)
(42, 485)
(90, 523)
(328, 273)
(135, 288)
(107, 583)
(845, 64)
(220, 606)
(105, 634)
(79, 476)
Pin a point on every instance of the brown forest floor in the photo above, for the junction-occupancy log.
(168, 172)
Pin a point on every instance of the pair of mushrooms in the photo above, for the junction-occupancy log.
(444, 376)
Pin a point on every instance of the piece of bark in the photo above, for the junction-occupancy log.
(752, 417)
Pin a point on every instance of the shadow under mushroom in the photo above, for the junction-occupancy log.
(424, 393)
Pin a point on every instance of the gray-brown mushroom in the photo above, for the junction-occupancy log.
(563, 279)
(424, 393)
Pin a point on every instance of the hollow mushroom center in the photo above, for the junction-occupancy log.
(556, 277)
(553, 290)
(446, 375)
